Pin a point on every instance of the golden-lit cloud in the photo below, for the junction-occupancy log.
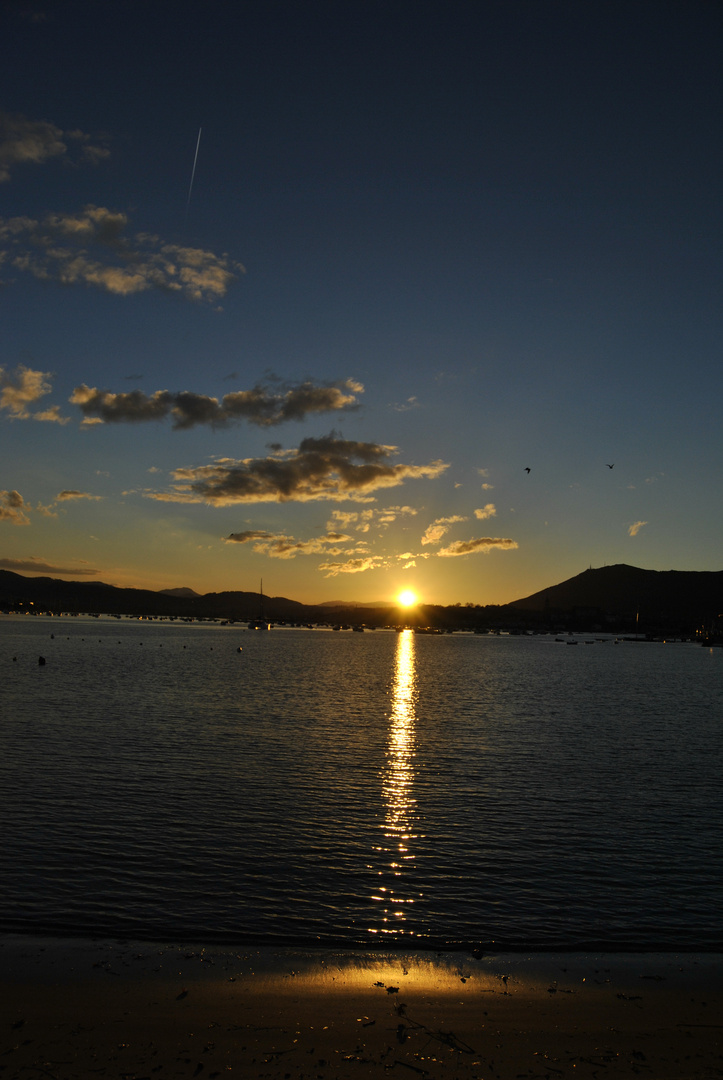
(46, 511)
(281, 546)
(65, 496)
(51, 415)
(326, 468)
(21, 388)
(34, 142)
(636, 527)
(363, 520)
(487, 511)
(352, 566)
(13, 508)
(439, 528)
(485, 486)
(92, 248)
(265, 405)
(39, 566)
(480, 544)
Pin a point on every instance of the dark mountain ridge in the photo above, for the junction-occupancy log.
(628, 592)
(616, 598)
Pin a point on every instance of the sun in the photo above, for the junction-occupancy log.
(407, 598)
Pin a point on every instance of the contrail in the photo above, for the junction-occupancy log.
(193, 171)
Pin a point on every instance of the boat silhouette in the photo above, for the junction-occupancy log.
(260, 622)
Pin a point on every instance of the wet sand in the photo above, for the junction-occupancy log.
(131, 1011)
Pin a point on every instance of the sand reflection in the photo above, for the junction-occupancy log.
(397, 849)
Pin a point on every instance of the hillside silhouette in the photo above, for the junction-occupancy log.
(617, 598)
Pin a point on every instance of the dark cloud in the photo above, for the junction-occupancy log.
(328, 468)
(13, 507)
(264, 405)
(281, 546)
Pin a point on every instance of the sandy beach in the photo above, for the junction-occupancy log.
(118, 1009)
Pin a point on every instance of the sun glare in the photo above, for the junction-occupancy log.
(407, 598)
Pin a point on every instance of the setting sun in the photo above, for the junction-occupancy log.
(407, 598)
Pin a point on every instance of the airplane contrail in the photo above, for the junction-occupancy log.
(193, 171)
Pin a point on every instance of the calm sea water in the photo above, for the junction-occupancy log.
(371, 789)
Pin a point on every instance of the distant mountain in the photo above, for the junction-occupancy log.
(52, 594)
(619, 598)
(628, 593)
(339, 604)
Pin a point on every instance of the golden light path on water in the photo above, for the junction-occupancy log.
(398, 792)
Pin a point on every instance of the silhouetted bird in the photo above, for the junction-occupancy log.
(610, 466)
(526, 469)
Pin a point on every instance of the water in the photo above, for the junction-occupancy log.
(372, 789)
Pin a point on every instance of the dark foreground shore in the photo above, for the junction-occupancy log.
(131, 1011)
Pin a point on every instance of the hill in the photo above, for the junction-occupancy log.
(617, 598)
(52, 594)
(627, 595)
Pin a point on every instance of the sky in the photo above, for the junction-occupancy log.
(360, 296)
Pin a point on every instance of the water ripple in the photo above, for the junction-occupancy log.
(349, 788)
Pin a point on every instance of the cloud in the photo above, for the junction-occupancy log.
(39, 566)
(405, 406)
(248, 536)
(362, 520)
(488, 487)
(280, 546)
(487, 511)
(434, 532)
(23, 387)
(46, 511)
(264, 405)
(636, 527)
(65, 496)
(34, 142)
(352, 566)
(481, 544)
(92, 248)
(13, 507)
(51, 415)
(326, 468)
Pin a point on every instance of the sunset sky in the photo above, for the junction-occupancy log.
(360, 296)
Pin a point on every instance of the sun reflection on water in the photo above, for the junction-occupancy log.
(396, 851)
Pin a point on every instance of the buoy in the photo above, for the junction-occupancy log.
(239, 649)
(41, 660)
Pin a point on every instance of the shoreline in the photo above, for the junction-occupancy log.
(81, 1008)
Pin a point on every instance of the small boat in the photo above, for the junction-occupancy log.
(260, 622)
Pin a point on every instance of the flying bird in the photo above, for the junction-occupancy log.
(526, 469)
(610, 466)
